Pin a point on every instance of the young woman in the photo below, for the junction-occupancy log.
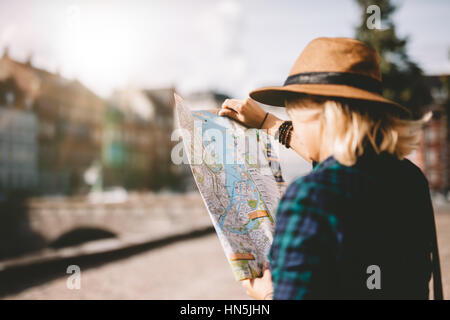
(361, 224)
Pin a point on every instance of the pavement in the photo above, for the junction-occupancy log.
(194, 268)
(443, 231)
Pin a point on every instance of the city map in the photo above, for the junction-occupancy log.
(238, 175)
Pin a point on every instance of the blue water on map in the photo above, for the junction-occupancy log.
(233, 171)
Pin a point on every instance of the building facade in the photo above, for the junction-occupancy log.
(137, 142)
(55, 131)
(67, 119)
(18, 149)
(432, 156)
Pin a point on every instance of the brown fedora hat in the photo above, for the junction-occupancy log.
(332, 67)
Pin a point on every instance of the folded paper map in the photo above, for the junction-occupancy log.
(239, 177)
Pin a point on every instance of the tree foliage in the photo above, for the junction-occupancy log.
(403, 79)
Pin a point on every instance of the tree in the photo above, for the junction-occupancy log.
(403, 80)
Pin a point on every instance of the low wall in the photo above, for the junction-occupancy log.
(39, 221)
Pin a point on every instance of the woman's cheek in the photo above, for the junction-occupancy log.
(302, 133)
(308, 136)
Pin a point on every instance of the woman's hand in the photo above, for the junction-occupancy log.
(260, 288)
(247, 111)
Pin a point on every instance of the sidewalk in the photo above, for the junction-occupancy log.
(92, 256)
(443, 232)
(142, 219)
(158, 221)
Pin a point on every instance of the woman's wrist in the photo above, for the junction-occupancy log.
(264, 120)
(271, 124)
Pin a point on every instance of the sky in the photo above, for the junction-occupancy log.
(226, 45)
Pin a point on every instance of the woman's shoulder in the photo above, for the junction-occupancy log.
(413, 170)
(335, 177)
(319, 190)
(330, 182)
(328, 176)
(312, 199)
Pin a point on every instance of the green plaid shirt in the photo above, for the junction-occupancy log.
(335, 222)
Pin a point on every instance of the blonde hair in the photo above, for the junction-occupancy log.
(349, 127)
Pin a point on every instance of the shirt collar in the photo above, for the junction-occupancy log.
(325, 163)
(367, 158)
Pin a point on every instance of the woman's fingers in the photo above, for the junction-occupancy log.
(247, 283)
(228, 107)
(247, 286)
(247, 111)
(267, 274)
(225, 112)
(230, 112)
(234, 104)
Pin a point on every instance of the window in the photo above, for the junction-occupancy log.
(3, 177)
(433, 178)
(432, 157)
(10, 97)
(28, 103)
(430, 135)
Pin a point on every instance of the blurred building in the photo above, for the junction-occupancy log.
(18, 130)
(54, 131)
(66, 119)
(137, 142)
(18, 147)
(206, 100)
(432, 155)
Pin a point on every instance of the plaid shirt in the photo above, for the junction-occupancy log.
(309, 257)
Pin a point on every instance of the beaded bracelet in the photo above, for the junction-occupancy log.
(288, 137)
(282, 130)
(284, 133)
